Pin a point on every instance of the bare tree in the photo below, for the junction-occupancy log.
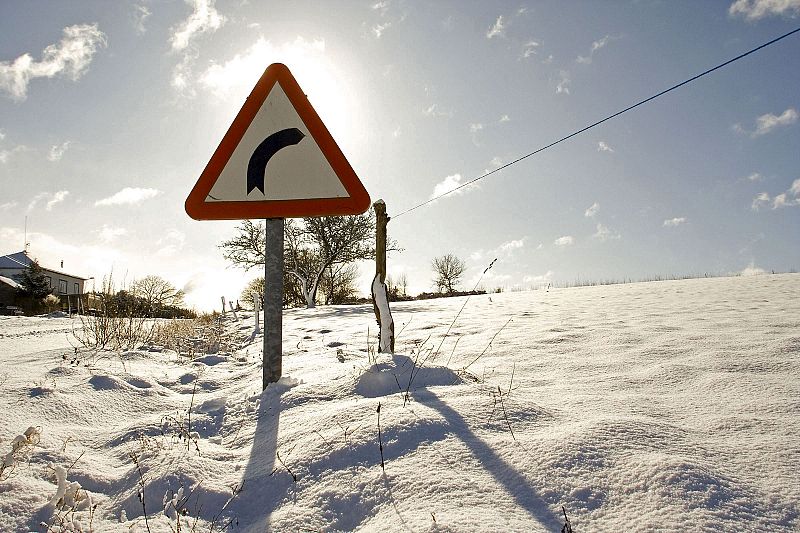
(448, 270)
(310, 248)
(402, 284)
(338, 283)
(291, 292)
(157, 292)
(397, 286)
(255, 286)
(246, 249)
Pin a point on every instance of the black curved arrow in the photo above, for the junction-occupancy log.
(262, 154)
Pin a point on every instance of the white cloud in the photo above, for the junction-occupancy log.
(597, 45)
(757, 9)
(57, 198)
(8, 205)
(496, 161)
(36, 199)
(510, 246)
(752, 270)
(505, 250)
(69, 58)
(530, 48)
(592, 210)
(563, 85)
(57, 151)
(602, 146)
(505, 118)
(448, 184)
(397, 132)
(244, 69)
(171, 243)
(2, 135)
(768, 122)
(140, 15)
(604, 234)
(129, 196)
(794, 190)
(5, 155)
(182, 76)
(673, 222)
(434, 110)
(204, 19)
(172, 236)
(498, 29)
(378, 29)
(790, 198)
(755, 176)
(475, 127)
(51, 200)
(781, 201)
(381, 6)
(110, 233)
(547, 277)
(566, 240)
(760, 201)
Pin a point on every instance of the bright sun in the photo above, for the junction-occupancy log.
(327, 85)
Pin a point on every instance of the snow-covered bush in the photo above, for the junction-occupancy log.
(115, 325)
(191, 338)
(69, 495)
(73, 506)
(51, 302)
(21, 447)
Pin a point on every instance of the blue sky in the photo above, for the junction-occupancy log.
(109, 112)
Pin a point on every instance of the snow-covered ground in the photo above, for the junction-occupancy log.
(668, 406)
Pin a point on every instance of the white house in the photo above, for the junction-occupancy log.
(63, 284)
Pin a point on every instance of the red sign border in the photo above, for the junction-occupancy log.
(358, 201)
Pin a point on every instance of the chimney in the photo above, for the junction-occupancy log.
(62, 263)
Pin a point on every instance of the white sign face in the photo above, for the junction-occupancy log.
(294, 166)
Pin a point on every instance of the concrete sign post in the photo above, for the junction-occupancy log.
(273, 300)
(276, 161)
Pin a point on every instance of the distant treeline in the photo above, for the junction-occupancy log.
(123, 303)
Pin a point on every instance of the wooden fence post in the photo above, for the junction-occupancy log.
(380, 293)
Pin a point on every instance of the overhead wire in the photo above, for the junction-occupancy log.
(609, 117)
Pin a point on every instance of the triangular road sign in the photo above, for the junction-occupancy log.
(277, 160)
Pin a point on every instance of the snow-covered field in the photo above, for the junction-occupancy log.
(669, 406)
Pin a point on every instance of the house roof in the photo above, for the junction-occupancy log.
(21, 260)
(17, 260)
(10, 282)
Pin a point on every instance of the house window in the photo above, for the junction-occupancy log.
(49, 281)
(62, 286)
(77, 288)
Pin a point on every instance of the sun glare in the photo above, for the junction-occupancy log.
(327, 84)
